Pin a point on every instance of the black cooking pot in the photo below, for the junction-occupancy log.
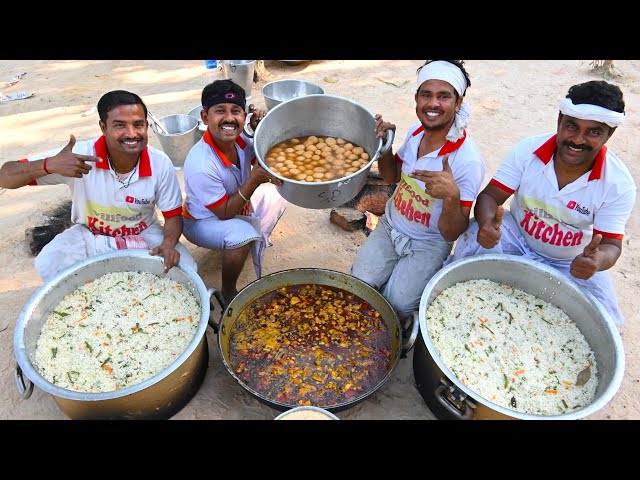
(285, 278)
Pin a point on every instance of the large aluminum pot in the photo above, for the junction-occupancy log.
(448, 398)
(318, 276)
(160, 396)
(325, 115)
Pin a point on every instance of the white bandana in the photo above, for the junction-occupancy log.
(445, 71)
(586, 111)
(448, 72)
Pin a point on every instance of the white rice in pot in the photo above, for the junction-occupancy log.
(116, 331)
(512, 348)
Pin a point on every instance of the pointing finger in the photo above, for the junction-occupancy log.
(89, 158)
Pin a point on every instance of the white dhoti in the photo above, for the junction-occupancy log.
(513, 243)
(79, 243)
(216, 234)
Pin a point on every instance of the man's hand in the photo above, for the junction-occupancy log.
(585, 265)
(382, 127)
(71, 164)
(490, 232)
(170, 254)
(257, 116)
(439, 184)
(259, 176)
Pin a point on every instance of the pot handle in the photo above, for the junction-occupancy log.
(218, 294)
(454, 401)
(382, 149)
(411, 334)
(248, 131)
(25, 389)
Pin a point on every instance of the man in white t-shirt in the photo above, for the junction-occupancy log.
(438, 170)
(231, 203)
(572, 196)
(116, 183)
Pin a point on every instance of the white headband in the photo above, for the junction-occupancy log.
(445, 71)
(586, 111)
(448, 72)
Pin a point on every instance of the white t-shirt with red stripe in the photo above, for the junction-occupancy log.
(414, 212)
(559, 224)
(104, 205)
(210, 178)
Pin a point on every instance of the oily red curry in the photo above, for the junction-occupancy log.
(310, 345)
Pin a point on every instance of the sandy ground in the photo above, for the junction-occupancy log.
(509, 99)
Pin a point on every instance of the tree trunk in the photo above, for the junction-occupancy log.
(260, 72)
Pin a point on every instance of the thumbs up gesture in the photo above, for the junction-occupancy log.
(70, 164)
(585, 265)
(439, 184)
(489, 232)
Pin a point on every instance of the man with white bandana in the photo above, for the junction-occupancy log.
(572, 196)
(438, 170)
(117, 181)
(231, 203)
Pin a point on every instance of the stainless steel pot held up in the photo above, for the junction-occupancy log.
(160, 396)
(448, 398)
(325, 115)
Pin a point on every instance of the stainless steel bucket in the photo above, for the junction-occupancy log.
(183, 134)
(324, 115)
(241, 72)
(195, 112)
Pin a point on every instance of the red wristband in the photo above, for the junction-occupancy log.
(44, 166)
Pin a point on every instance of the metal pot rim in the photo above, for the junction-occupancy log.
(339, 181)
(609, 325)
(32, 373)
(340, 406)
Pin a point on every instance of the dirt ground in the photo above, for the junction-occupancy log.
(510, 99)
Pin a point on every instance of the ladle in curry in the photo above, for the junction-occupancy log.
(158, 124)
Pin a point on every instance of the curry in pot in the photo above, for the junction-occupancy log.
(310, 344)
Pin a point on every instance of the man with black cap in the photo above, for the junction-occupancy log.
(231, 203)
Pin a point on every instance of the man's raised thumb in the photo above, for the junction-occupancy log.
(498, 218)
(445, 163)
(72, 142)
(593, 245)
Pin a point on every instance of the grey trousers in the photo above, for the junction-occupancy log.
(398, 266)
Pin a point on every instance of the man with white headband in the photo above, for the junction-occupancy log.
(572, 196)
(438, 171)
(231, 203)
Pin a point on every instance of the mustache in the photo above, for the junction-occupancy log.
(232, 124)
(578, 147)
